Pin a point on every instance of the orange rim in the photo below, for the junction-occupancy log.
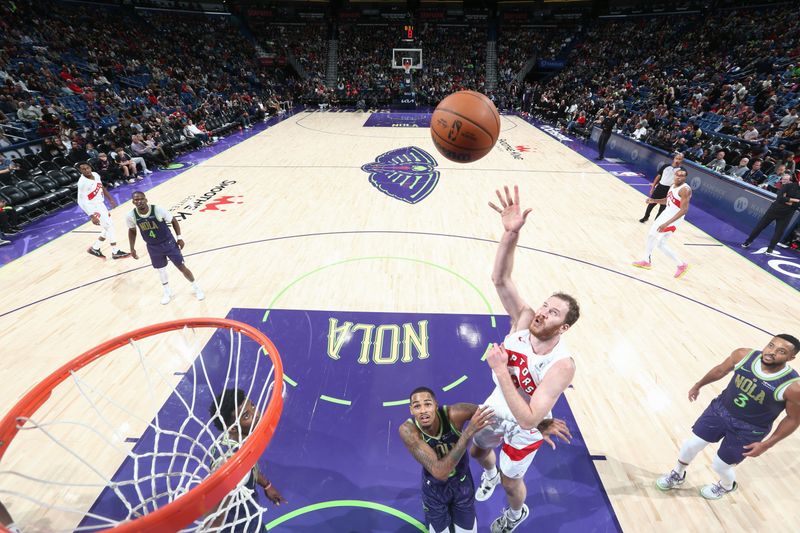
(204, 497)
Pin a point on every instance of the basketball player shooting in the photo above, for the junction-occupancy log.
(665, 224)
(762, 387)
(531, 370)
(91, 195)
(153, 223)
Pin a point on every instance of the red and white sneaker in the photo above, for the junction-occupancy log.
(643, 264)
(681, 270)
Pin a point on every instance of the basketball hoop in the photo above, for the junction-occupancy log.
(407, 66)
(174, 482)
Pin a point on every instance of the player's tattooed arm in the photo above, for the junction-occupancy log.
(423, 453)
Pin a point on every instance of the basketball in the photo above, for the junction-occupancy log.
(465, 126)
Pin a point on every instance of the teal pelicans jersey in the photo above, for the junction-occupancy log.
(754, 396)
(442, 444)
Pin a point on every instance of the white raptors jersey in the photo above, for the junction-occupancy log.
(90, 194)
(527, 369)
(673, 202)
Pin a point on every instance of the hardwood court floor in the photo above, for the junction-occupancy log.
(301, 203)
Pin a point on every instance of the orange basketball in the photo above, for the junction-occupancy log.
(465, 126)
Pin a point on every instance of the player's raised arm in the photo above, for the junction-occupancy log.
(513, 219)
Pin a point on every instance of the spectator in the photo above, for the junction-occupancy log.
(774, 178)
(739, 170)
(718, 164)
(640, 132)
(9, 222)
(754, 176)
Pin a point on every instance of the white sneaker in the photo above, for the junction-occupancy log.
(148, 171)
(166, 297)
(487, 486)
(716, 491)
(504, 523)
(200, 294)
(670, 481)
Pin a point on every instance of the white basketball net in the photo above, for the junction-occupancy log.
(73, 465)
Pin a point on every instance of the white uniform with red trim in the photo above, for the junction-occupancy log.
(673, 206)
(527, 371)
(92, 201)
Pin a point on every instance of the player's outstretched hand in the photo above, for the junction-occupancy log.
(554, 427)
(513, 218)
(497, 357)
(180, 244)
(484, 415)
(694, 392)
(134, 254)
(755, 449)
(273, 495)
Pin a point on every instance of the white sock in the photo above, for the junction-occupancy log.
(97, 244)
(514, 514)
(727, 475)
(491, 473)
(195, 286)
(689, 450)
(162, 274)
(114, 248)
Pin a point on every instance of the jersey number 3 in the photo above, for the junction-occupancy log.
(741, 400)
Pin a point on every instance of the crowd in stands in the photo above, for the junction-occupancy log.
(723, 89)
(518, 48)
(138, 86)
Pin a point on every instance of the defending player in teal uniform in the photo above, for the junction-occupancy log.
(762, 387)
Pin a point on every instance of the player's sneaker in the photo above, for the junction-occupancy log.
(200, 294)
(487, 486)
(96, 253)
(716, 491)
(505, 524)
(745, 244)
(670, 481)
(119, 254)
(681, 270)
(643, 264)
